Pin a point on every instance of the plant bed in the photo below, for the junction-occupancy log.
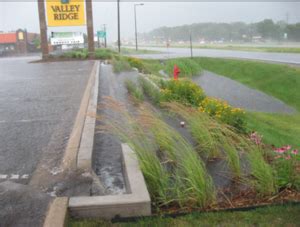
(212, 162)
(175, 171)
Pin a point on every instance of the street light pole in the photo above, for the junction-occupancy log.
(119, 36)
(104, 29)
(191, 45)
(136, 41)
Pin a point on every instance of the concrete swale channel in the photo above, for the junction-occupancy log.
(119, 192)
(131, 198)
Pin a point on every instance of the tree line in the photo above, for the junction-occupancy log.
(237, 31)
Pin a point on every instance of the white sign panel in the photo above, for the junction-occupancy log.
(67, 40)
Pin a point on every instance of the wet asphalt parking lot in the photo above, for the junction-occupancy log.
(38, 106)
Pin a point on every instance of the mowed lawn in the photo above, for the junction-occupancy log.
(269, 216)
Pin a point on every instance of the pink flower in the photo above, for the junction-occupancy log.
(295, 151)
(280, 150)
(288, 147)
(256, 138)
(288, 157)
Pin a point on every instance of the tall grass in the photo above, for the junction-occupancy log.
(173, 170)
(214, 139)
(194, 182)
(264, 178)
(188, 67)
(150, 89)
(134, 90)
(125, 126)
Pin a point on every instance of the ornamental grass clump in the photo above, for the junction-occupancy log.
(194, 186)
(125, 126)
(263, 175)
(134, 91)
(173, 170)
(150, 89)
(215, 140)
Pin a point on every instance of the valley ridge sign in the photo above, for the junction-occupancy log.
(65, 12)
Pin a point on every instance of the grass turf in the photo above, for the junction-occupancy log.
(268, 216)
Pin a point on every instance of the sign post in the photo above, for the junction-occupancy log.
(43, 30)
(102, 35)
(90, 27)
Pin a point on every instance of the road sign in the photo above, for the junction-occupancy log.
(65, 12)
(101, 34)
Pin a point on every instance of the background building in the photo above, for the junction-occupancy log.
(18, 42)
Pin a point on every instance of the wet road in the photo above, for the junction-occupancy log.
(289, 58)
(239, 95)
(38, 104)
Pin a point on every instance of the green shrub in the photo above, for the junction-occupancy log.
(120, 65)
(104, 54)
(137, 63)
(224, 112)
(183, 91)
(78, 54)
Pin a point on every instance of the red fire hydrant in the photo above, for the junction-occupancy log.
(176, 72)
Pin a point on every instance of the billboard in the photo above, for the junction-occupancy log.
(65, 12)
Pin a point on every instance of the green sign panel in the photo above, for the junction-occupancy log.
(101, 34)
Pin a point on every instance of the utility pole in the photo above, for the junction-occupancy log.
(105, 41)
(43, 30)
(191, 45)
(90, 27)
(119, 36)
(136, 41)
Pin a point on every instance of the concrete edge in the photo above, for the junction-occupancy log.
(70, 155)
(57, 213)
(84, 157)
(136, 203)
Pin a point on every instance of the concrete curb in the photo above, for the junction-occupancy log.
(84, 158)
(70, 156)
(136, 203)
(57, 213)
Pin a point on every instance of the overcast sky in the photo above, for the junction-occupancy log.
(24, 14)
